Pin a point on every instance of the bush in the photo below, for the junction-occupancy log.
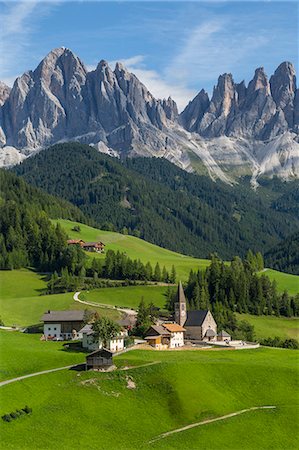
(16, 414)
(278, 342)
(7, 418)
(76, 228)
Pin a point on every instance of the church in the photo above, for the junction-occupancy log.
(199, 325)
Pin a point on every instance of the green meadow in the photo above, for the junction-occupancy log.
(138, 248)
(97, 410)
(23, 353)
(21, 302)
(128, 297)
(285, 281)
(267, 326)
(135, 248)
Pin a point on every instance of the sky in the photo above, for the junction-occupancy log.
(175, 48)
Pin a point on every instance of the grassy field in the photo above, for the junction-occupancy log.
(136, 248)
(128, 297)
(23, 353)
(21, 303)
(285, 281)
(266, 326)
(98, 411)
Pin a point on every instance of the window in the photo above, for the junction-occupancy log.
(49, 329)
(55, 329)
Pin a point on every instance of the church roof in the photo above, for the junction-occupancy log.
(180, 296)
(210, 333)
(223, 334)
(195, 318)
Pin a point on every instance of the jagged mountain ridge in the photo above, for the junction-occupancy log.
(241, 130)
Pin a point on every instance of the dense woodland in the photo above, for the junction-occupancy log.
(154, 199)
(285, 255)
(235, 287)
(27, 237)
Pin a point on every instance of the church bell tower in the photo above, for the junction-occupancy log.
(180, 313)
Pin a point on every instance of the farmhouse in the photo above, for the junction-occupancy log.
(167, 335)
(97, 247)
(75, 242)
(63, 324)
(114, 345)
(99, 359)
(199, 325)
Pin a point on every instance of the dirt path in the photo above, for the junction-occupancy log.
(137, 367)
(23, 377)
(204, 422)
(130, 312)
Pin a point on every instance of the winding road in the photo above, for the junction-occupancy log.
(130, 312)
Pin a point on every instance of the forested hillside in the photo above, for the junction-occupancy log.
(285, 255)
(161, 203)
(27, 236)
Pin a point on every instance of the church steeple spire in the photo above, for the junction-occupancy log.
(180, 306)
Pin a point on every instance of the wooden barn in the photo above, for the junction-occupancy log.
(99, 359)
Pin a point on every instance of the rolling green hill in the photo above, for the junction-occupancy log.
(184, 387)
(163, 204)
(135, 248)
(285, 281)
(265, 326)
(21, 302)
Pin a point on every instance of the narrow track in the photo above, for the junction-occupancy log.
(205, 422)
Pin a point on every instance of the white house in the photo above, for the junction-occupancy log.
(63, 324)
(167, 335)
(114, 345)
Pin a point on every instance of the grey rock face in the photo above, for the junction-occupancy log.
(283, 88)
(115, 112)
(192, 115)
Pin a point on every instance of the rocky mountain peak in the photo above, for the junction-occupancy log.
(4, 92)
(283, 88)
(259, 82)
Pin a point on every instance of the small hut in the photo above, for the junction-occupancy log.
(223, 336)
(99, 359)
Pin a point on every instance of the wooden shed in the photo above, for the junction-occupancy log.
(99, 359)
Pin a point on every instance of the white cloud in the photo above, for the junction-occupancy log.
(17, 19)
(211, 49)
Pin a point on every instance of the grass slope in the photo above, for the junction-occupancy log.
(23, 353)
(21, 303)
(96, 410)
(136, 248)
(128, 297)
(266, 326)
(285, 281)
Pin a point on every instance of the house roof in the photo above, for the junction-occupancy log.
(223, 334)
(63, 316)
(75, 241)
(102, 352)
(93, 244)
(210, 333)
(127, 321)
(86, 329)
(159, 331)
(196, 318)
(173, 327)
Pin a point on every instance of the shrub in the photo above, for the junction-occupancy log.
(14, 415)
(27, 410)
(7, 418)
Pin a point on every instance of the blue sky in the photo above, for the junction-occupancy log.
(175, 47)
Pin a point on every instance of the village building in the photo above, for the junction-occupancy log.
(199, 324)
(167, 335)
(223, 336)
(97, 247)
(99, 359)
(114, 345)
(75, 242)
(63, 325)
